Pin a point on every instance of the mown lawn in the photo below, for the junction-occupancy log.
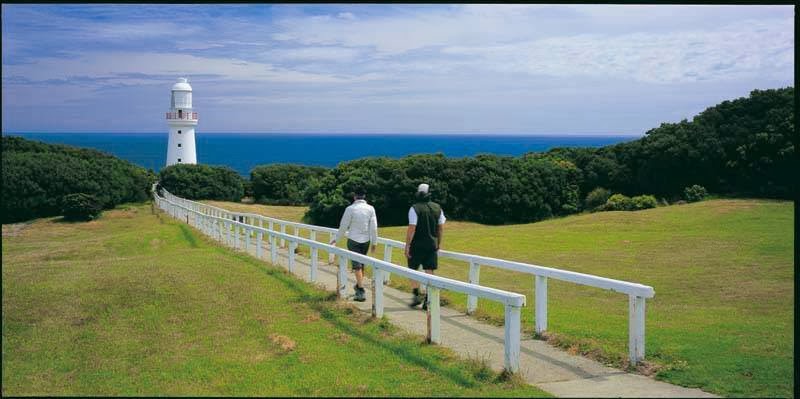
(722, 318)
(138, 304)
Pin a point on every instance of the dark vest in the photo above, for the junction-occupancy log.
(427, 226)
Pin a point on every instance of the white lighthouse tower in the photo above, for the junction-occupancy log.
(181, 121)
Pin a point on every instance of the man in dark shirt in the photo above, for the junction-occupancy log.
(423, 237)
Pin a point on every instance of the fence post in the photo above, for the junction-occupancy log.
(512, 336)
(341, 278)
(434, 316)
(636, 328)
(330, 254)
(283, 230)
(474, 278)
(292, 246)
(314, 260)
(228, 233)
(273, 249)
(540, 315)
(246, 239)
(377, 292)
(236, 235)
(259, 249)
(387, 257)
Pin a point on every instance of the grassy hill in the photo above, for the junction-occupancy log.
(139, 304)
(722, 318)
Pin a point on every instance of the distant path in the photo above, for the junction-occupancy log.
(542, 365)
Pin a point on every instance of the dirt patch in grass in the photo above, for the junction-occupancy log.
(285, 343)
(341, 338)
(311, 317)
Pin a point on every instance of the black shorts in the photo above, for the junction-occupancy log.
(428, 259)
(360, 247)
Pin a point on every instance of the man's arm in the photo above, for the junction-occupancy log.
(344, 224)
(440, 229)
(409, 235)
(373, 230)
(412, 227)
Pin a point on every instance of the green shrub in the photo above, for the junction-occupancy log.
(203, 182)
(285, 184)
(694, 193)
(619, 202)
(596, 198)
(37, 176)
(487, 189)
(644, 202)
(81, 206)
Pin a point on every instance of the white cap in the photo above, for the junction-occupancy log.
(423, 188)
(182, 85)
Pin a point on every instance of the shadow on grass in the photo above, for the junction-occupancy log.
(321, 303)
(188, 236)
(74, 221)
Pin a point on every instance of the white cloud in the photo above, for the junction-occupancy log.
(110, 65)
(313, 53)
(749, 48)
(498, 65)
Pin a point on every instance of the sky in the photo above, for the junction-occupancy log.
(391, 68)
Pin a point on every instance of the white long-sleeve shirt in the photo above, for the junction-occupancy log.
(360, 223)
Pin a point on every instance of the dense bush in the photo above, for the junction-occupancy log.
(619, 202)
(596, 198)
(81, 206)
(694, 193)
(644, 202)
(202, 182)
(739, 147)
(486, 189)
(37, 176)
(285, 184)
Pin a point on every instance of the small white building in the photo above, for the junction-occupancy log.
(181, 120)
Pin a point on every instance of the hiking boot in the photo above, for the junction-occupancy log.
(360, 294)
(417, 299)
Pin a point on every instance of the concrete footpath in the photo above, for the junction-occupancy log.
(544, 366)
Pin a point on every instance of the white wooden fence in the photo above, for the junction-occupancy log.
(223, 226)
(637, 293)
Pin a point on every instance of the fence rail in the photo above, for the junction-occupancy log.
(223, 226)
(637, 293)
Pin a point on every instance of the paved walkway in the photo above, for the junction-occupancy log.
(541, 365)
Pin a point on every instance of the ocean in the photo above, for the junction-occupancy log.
(243, 151)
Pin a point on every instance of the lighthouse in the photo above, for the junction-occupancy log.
(181, 120)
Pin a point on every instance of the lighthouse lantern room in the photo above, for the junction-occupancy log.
(182, 121)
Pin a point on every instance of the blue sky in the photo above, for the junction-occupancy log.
(538, 69)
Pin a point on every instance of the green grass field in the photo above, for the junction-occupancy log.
(722, 318)
(139, 304)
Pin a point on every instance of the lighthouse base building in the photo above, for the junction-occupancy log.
(182, 121)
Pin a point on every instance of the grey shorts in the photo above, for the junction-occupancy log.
(360, 247)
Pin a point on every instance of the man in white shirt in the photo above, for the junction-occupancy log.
(361, 225)
(423, 237)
